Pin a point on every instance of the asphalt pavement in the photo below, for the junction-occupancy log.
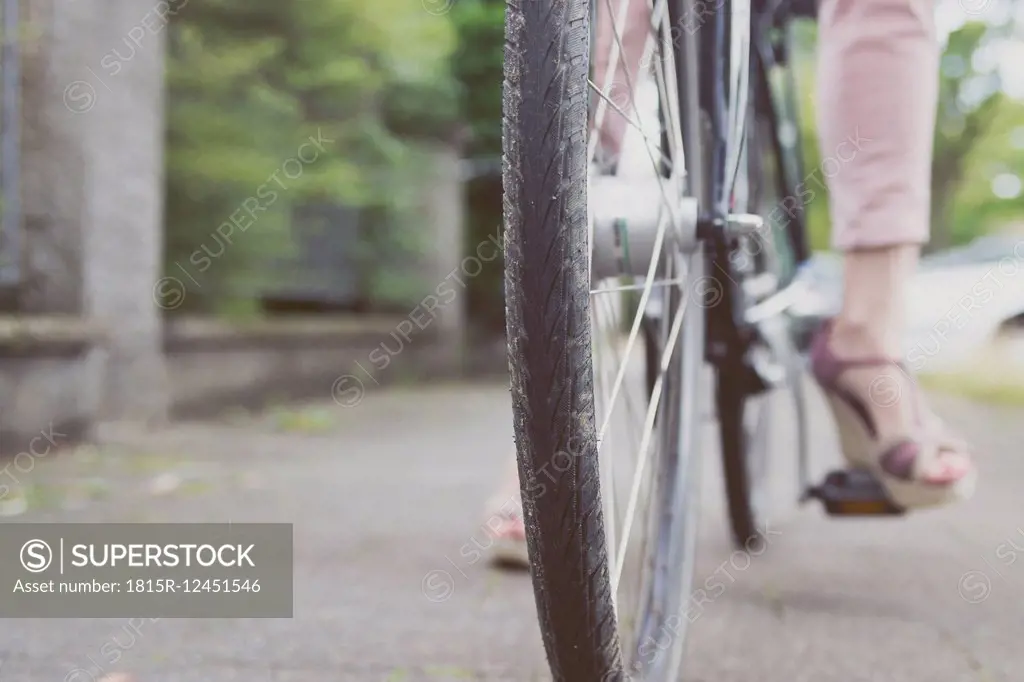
(386, 499)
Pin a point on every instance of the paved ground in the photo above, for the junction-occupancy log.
(385, 493)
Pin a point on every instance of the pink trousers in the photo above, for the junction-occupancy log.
(877, 92)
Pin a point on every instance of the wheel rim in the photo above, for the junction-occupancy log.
(647, 435)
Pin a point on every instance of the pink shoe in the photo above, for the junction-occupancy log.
(509, 534)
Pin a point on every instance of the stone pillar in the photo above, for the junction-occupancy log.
(94, 183)
(444, 218)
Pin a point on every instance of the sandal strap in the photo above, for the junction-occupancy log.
(827, 367)
(905, 456)
(902, 460)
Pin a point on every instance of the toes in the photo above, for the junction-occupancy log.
(947, 468)
(511, 528)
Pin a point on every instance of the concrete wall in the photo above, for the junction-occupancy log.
(47, 378)
(215, 365)
(47, 383)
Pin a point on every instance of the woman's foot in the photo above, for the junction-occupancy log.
(509, 532)
(505, 520)
(884, 424)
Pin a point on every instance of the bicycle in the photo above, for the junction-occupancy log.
(708, 275)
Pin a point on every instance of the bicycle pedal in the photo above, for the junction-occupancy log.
(853, 492)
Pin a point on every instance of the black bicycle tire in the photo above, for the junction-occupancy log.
(544, 124)
(548, 327)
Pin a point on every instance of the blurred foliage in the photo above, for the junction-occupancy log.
(804, 40)
(970, 98)
(477, 65)
(999, 154)
(249, 82)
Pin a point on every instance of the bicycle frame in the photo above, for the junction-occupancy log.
(729, 331)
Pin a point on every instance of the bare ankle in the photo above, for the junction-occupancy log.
(872, 316)
(855, 338)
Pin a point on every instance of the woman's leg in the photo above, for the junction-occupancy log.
(505, 519)
(877, 97)
(618, 88)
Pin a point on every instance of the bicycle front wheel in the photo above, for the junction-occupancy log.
(605, 319)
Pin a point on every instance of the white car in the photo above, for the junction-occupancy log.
(956, 311)
(957, 302)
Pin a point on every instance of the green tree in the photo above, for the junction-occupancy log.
(249, 82)
(997, 157)
(968, 103)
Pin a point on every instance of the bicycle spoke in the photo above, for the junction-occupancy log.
(632, 452)
(652, 411)
(637, 287)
